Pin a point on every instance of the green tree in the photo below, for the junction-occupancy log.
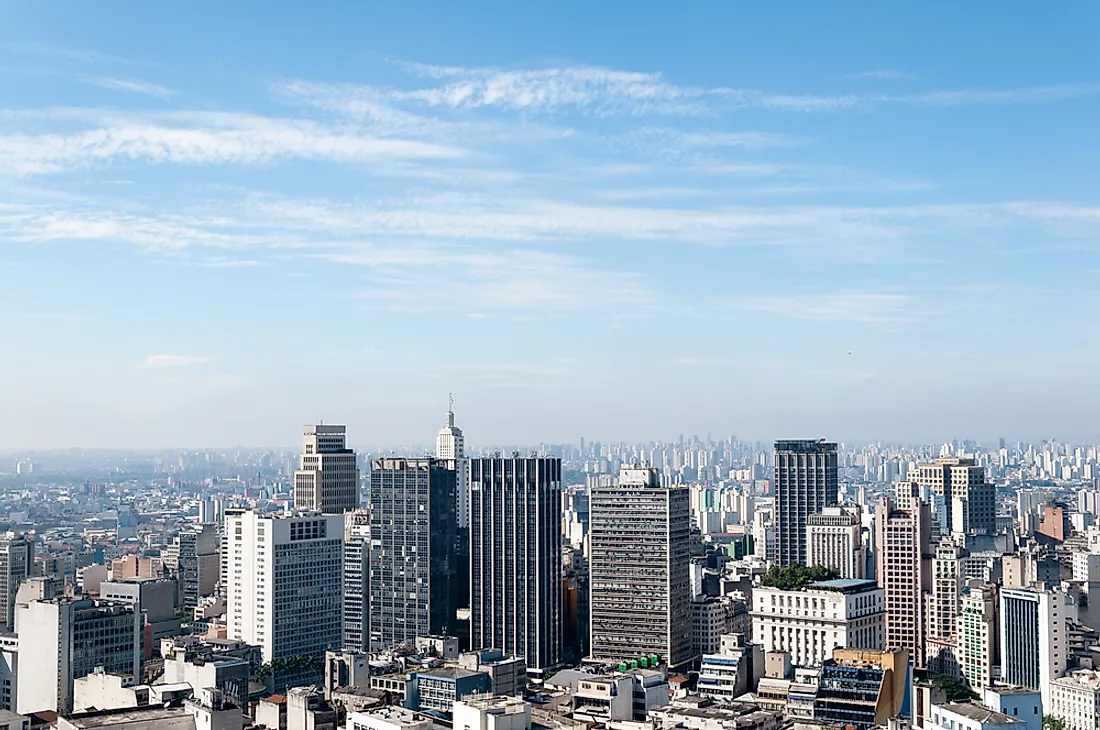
(955, 688)
(797, 577)
(1050, 722)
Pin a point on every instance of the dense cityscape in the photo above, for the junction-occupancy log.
(702, 584)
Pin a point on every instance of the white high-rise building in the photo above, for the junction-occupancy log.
(357, 581)
(327, 480)
(284, 590)
(977, 633)
(61, 639)
(450, 446)
(834, 539)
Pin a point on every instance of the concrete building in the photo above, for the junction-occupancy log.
(284, 587)
(1021, 703)
(486, 712)
(805, 483)
(228, 674)
(904, 566)
(450, 447)
(327, 480)
(711, 618)
(1075, 699)
(157, 598)
(1034, 638)
(834, 539)
(810, 623)
(978, 651)
(515, 558)
(62, 639)
(639, 575)
(205, 711)
(439, 688)
(9, 672)
(414, 564)
(863, 689)
(507, 674)
(962, 485)
(388, 718)
(357, 581)
(733, 670)
(197, 563)
(16, 565)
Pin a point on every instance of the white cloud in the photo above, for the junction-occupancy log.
(173, 361)
(883, 74)
(863, 308)
(136, 86)
(743, 140)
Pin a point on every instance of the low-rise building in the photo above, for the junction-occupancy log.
(732, 671)
(1075, 699)
(486, 712)
(862, 689)
(438, 689)
(969, 716)
(507, 674)
(387, 718)
(1022, 703)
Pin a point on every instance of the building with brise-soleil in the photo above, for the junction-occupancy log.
(284, 583)
(969, 500)
(16, 565)
(904, 561)
(733, 670)
(805, 477)
(809, 624)
(978, 638)
(1034, 638)
(834, 539)
(62, 639)
(439, 688)
(414, 563)
(1075, 699)
(515, 558)
(861, 688)
(639, 569)
(327, 480)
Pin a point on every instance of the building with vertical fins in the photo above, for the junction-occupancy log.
(515, 558)
(805, 483)
(16, 565)
(639, 569)
(834, 539)
(327, 480)
(414, 562)
(357, 581)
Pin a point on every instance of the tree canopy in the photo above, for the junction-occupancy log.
(797, 577)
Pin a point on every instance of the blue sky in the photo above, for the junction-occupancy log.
(610, 220)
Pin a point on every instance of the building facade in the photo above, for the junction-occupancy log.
(834, 539)
(450, 447)
(1034, 638)
(809, 624)
(805, 483)
(515, 558)
(639, 573)
(357, 581)
(968, 499)
(16, 565)
(284, 589)
(327, 480)
(1075, 699)
(414, 562)
(904, 564)
(977, 651)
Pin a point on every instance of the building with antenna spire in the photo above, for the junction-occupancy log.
(450, 446)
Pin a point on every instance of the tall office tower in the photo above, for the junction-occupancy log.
(284, 577)
(904, 568)
(942, 608)
(963, 486)
(327, 480)
(1034, 638)
(61, 639)
(357, 581)
(639, 569)
(450, 446)
(834, 539)
(805, 483)
(414, 565)
(16, 565)
(515, 558)
(978, 647)
(197, 563)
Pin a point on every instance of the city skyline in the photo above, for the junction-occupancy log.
(831, 222)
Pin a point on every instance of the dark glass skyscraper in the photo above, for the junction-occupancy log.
(414, 565)
(515, 558)
(805, 483)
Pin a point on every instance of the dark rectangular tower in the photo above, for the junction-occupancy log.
(805, 483)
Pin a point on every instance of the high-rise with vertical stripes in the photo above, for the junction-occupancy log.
(805, 483)
(515, 558)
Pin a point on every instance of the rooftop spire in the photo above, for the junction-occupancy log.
(450, 410)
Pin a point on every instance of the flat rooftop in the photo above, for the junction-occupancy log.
(979, 713)
(845, 585)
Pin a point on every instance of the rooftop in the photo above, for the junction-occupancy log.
(979, 713)
(845, 585)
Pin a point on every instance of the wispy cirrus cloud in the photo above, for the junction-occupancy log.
(135, 86)
(855, 307)
(157, 362)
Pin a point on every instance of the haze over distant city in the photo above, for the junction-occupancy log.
(610, 221)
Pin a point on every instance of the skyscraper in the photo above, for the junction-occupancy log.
(414, 565)
(639, 572)
(1034, 638)
(969, 500)
(978, 646)
(450, 446)
(805, 483)
(284, 576)
(834, 539)
(357, 581)
(515, 558)
(327, 480)
(16, 564)
(903, 544)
